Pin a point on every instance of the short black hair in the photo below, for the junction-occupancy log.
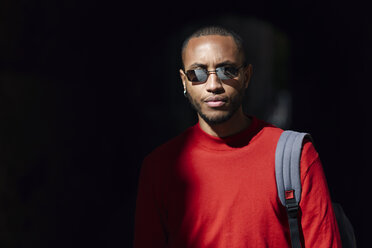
(215, 30)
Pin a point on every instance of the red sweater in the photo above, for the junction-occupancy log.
(202, 191)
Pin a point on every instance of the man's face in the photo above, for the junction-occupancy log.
(215, 100)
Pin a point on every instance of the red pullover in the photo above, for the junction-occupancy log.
(202, 191)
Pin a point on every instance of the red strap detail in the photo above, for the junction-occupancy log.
(289, 194)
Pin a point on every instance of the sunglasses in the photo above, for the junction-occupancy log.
(223, 73)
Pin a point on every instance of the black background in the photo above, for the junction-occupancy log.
(85, 96)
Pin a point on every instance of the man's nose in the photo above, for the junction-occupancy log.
(213, 83)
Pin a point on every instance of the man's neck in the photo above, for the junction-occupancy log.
(237, 123)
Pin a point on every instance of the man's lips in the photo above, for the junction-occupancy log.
(215, 101)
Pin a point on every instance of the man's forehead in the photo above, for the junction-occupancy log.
(208, 40)
(211, 45)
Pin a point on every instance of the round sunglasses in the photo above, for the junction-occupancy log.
(223, 73)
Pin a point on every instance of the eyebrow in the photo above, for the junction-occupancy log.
(199, 65)
(226, 62)
(196, 65)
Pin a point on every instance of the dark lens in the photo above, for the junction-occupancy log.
(198, 75)
(231, 71)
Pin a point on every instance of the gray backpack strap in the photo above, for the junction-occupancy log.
(288, 180)
(287, 164)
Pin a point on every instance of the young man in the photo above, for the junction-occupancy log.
(214, 184)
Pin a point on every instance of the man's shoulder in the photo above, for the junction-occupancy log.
(267, 130)
(171, 147)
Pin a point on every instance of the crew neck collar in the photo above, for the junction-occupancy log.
(235, 141)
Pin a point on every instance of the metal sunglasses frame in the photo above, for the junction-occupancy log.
(212, 72)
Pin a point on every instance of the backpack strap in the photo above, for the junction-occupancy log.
(288, 180)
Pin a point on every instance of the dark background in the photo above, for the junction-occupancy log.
(88, 88)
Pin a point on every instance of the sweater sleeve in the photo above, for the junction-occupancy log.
(148, 229)
(317, 217)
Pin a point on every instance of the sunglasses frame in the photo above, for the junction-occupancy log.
(211, 72)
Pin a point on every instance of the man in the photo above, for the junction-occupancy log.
(214, 184)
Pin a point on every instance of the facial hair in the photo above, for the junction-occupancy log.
(236, 102)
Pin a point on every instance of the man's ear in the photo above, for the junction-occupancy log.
(183, 78)
(248, 71)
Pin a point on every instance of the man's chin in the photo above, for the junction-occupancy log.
(215, 119)
(212, 116)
